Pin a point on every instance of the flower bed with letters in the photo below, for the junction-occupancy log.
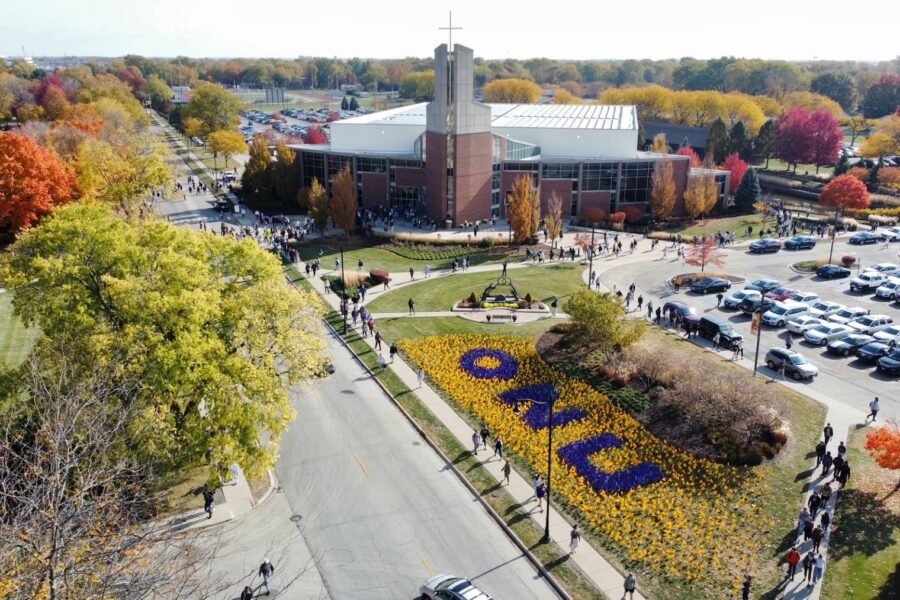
(692, 521)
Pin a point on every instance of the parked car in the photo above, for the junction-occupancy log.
(765, 245)
(680, 308)
(892, 233)
(866, 237)
(710, 285)
(803, 323)
(782, 312)
(709, 326)
(891, 332)
(448, 587)
(832, 272)
(824, 308)
(748, 306)
(885, 268)
(889, 364)
(780, 294)
(794, 363)
(874, 350)
(826, 333)
(800, 242)
(888, 289)
(734, 299)
(849, 344)
(867, 281)
(845, 315)
(869, 324)
(763, 285)
(804, 297)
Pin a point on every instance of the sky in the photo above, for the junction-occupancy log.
(571, 29)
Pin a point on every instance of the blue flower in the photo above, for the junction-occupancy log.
(506, 370)
(578, 454)
(540, 398)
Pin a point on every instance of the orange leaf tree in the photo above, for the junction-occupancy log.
(704, 253)
(841, 193)
(884, 445)
(33, 180)
(343, 200)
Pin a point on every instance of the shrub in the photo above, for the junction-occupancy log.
(860, 173)
(661, 235)
(378, 276)
(882, 220)
(617, 218)
(848, 260)
(593, 214)
(486, 242)
(528, 299)
(472, 299)
(633, 214)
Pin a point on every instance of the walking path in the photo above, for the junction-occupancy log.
(232, 500)
(603, 574)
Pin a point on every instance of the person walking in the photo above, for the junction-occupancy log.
(574, 538)
(485, 433)
(208, 501)
(553, 306)
(378, 340)
(715, 341)
(874, 407)
(476, 441)
(393, 351)
(421, 378)
(247, 593)
(844, 475)
(507, 469)
(808, 527)
(793, 559)
(826, 492)
(819, 569)
(842, 449)
(827, 432)
(820, 452)
(498, 447)
(535, 483)
(640, 302)
(266, 570)
(381, 361)
(745, 587)
(411, 274)
(412, 306)
(630, 585)
(719, 297)
(817, 535)
(539, 493)
(815, 502)
(789, 341)
(827, 461)
(809, 561)
(801, 520)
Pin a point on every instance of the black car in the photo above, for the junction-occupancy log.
(866, 237)
(889, 364)
(223, 206)
(709, 285)
(800, 242)
(849, 344)
(680, 308)
(748, 306)
(832, 272)
(763, 285)
(765, 245)
(873, 351)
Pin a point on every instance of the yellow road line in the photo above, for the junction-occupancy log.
(360, 463)
(427, 566)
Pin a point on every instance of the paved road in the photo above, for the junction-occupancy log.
(847, 380)
(379, 507)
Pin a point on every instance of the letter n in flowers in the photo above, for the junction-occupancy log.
(541, 398)
(578, 454)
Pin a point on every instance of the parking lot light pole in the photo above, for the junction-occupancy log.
(591, 258)
(343, 292)
(757, 318)
(517, 410)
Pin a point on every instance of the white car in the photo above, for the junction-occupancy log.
(867, 281)
(824, 309)
(891, 332)
(803, 323)
(888, 288)
(845, 315)
(869, 324)
(825, 333)
(885, 268)
(782, 312)
(448, 587)
(893, 233)
(804, 297)
(735, 299)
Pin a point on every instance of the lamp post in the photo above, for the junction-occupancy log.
(508, 225)
(833, 234)
(546, 538)
(591, 258)
(757, 325)
(343, 292)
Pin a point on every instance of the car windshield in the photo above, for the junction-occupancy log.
(798, 360)
(855, 339)
(865, 321)
(821, 306)
(822, 329)
(447, 583)
(844, 313)
(779, 310)
(895, 354)
(892, 330)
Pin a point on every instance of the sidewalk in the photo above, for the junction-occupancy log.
(603, 574)
(232, 500)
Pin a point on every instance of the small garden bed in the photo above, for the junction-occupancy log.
(810, 266)
(686, 279)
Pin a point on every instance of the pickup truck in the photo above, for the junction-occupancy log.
(868, 281)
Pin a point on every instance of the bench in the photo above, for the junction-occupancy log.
(501, 317)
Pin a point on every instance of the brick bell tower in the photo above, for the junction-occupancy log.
(458, 141)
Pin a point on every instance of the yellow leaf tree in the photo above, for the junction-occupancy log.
(662, 189)
(343, 200)
(193, 127)
(553, 218)
(227, 143)
(660, 144)
(524, 212)
(318, 205)
(695, 196)
(565, 97)
(512, 90)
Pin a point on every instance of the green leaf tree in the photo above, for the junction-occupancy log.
(749, 192)
(215, 108)
(717, 142)
(354, 105)
(344, 104)
(764, 144)
(599, 320)
(739, 141)
(207, 324)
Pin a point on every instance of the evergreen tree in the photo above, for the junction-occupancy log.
(717, 142)
(749, 192)
(344, 104)
(354, 105)
(873, 174)
(739, 141)
(764, 144)
(842, 165)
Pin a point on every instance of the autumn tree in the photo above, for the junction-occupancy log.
(33, 181)
(701, 194)
(885, 140)
(812, 102)
(660, 145)
(318, 205)
(256, 178)
(227, 143)
(808, 137)
(599, 320)
(343, 200)
(662, 189)
(284, 172)
(856, 126)
(553, 218)
(517, 91)
(215, 108)
(884, 446)
(689, 152)
(524, 212)
(737, 168)
(563, 96)
(704, 253)
(315, 135)
(193, 127)
(841, 193)
(206, 324)
(749, 191)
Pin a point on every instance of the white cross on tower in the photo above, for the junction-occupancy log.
(450, 29)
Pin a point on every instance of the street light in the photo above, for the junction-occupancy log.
(508, 224)
(546, 538)
(591, 274)
(343, 292)
(756, 326)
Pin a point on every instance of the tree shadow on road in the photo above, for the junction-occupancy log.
(863, 525)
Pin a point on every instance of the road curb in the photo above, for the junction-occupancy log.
(560, 591)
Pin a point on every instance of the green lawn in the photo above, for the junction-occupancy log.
(543, 283)
(381, 258)
(737, 224)
(864, 551)
(15, 339)
(776, 165)
(403, 328)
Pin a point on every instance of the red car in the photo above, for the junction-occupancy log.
(781, 294)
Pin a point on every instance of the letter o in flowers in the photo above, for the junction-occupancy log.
(487, 363)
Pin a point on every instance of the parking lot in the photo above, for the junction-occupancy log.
(294, 122)
(848, 379)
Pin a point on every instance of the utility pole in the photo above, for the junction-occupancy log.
(591, 274)
(756, 329)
